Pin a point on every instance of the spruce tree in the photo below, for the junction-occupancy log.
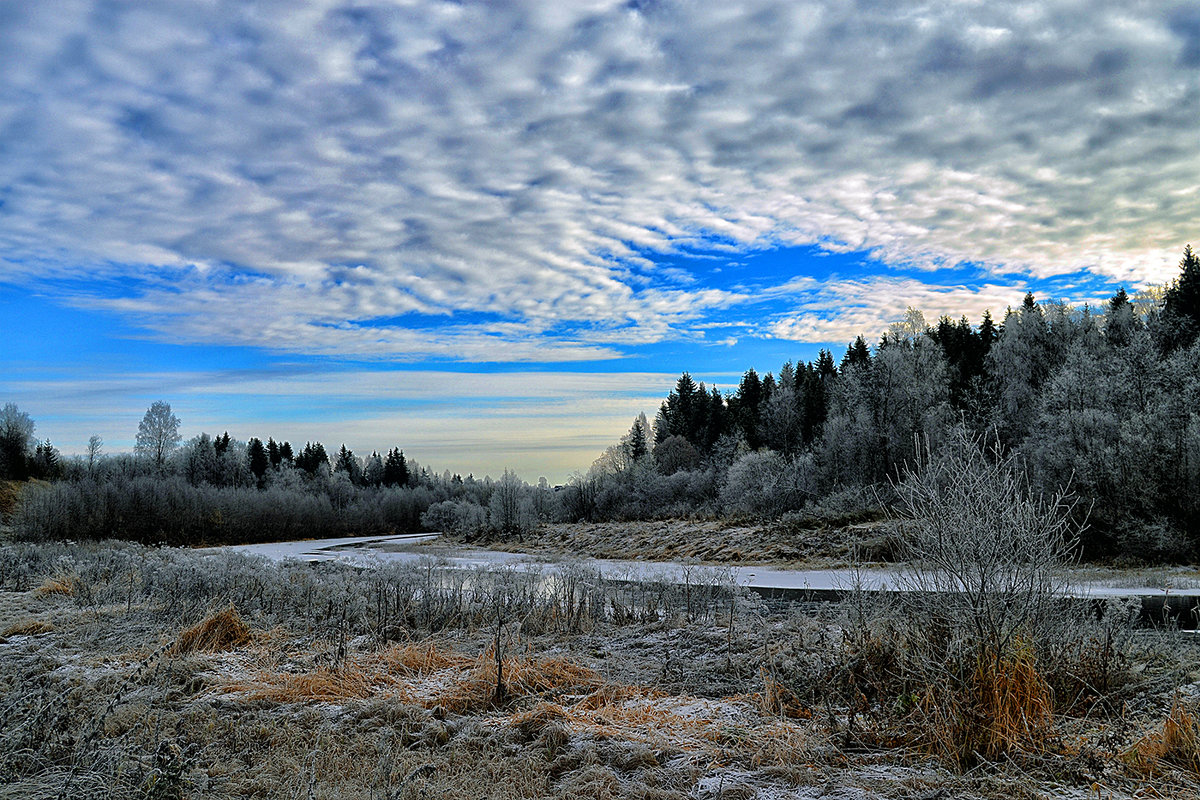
(257, 458)
(1180, 322)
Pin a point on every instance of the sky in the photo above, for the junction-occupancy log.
(491, 233)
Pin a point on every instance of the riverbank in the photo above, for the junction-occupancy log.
(154, 672)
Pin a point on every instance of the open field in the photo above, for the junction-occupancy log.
(137, 672)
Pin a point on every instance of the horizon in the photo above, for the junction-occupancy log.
(491, 235)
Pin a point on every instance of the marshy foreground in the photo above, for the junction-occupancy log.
(129, 671)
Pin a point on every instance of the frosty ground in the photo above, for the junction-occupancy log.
(131, 671)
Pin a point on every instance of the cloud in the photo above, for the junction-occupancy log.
(309, 170)
(840, 310)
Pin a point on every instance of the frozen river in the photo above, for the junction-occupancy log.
(1178, 587)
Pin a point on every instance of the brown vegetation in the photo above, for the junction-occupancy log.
(670, 702)
(1176, 742)
(60, 584)
(29, 627)
(221, 630)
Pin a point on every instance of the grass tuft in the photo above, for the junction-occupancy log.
(1007, 706)
(522, 677)
(1176, 742)
(220, 631)
(421, 658)
(60, 584)
(29, 627)
(322, 686)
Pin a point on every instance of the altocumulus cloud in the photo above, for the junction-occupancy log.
(504, 173)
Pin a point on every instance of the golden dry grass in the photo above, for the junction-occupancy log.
(323, 686)
(777, 699)
(28, 627)
(1176, 742)
(421, 658)
(10, 491)
(60, 584)
(1014, 704)
(1006, 706)
(521, 676)
(220, 631)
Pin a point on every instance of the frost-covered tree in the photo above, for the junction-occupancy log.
(16, 442)
(158, 434)
(95, 449)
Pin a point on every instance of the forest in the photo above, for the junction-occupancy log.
(1097, 403)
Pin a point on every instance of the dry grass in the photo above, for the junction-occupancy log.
(1176, 742)
(520, 677)
(220, 631)
(28, 627)
(60, 584)
(1007, 706)
(10, 491)
(778, 700)
(421, 658)
(322, 686)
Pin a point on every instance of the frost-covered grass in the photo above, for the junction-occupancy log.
(163, 673)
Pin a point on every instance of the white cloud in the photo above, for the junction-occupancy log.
(366, 160)
(840, 310)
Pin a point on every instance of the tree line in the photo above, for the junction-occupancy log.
(214, 489)
(1103, 402)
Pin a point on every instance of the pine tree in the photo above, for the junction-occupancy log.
(1180, 321)
(257, 458)
(347, 463)
(987, 332)
(857, 354)
(395, 469)
(636, 445)
(273, 452)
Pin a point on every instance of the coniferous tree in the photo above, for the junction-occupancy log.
(257, 458)
(1180, 321)
(636, 445)
(312, 458)
(395, 469)
(1120, 320)
(285, 453)
(273, 456)
(46, 464)
(347, 463)
(857, 354)
(685, 413)
(987, 332)
(373, 470)
(745, 408)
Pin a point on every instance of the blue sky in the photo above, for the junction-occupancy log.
(492, 233)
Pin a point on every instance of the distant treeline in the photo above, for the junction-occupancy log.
(1104, 402)
(217, 490)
